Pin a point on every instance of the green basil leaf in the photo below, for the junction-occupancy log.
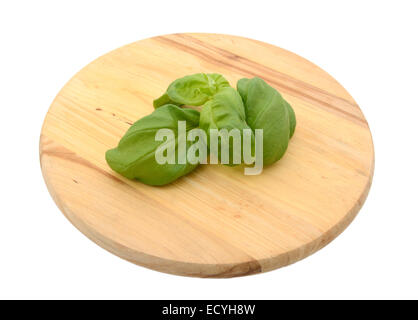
(163, 100)
(266, 109)
(192, 90)
(134, 157)
(224, 111)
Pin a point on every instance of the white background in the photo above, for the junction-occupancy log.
(368, 46)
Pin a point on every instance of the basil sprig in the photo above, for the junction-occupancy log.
(254, 105)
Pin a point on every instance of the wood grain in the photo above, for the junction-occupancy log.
(215, 222)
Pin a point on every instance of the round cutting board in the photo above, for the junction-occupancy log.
(216, 221)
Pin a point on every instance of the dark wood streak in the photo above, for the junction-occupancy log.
(117, 117)
(242, 269)
(71, 156)
(257, 65)
(292, 86)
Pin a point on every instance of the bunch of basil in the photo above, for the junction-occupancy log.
(255, 105)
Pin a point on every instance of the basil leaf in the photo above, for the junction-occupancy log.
(266, 109)
(134, 157)
(192, 90)
(224, 111)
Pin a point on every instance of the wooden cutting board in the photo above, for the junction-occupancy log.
(215, 222)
